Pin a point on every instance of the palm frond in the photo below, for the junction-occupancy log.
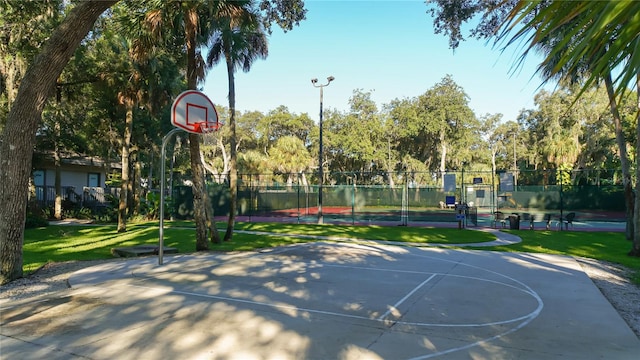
(595, 37)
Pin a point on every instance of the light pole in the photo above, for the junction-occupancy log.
(315, 84)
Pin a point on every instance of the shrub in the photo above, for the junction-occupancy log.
(35, 220)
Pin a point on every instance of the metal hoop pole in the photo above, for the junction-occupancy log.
(165, 140)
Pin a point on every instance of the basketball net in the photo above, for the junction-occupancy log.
(206, 127)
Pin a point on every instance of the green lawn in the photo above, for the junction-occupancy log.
(373, 232)
(608, 246)
(65, 243)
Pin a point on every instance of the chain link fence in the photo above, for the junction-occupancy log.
(418, 198)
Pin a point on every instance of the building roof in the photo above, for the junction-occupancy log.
(74, 159)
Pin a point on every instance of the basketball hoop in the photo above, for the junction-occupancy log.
(205, 127)
(193, 111)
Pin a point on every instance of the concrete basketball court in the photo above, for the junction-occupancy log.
(324, 300)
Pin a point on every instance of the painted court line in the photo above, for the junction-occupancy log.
(521, 319)
(325, 264)
(521, 287)
(395, 306)
(526, 317)
(276, 306)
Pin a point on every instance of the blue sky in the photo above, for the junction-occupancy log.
(386, 47)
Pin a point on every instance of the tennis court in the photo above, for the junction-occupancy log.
(325, 300)
(447, 217)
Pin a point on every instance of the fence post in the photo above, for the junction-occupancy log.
(353, 201)
(404, 211)
(559, 176)
(298, 196)
(494, 194)
(250, 196)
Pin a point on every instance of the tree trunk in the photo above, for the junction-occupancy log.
(443, 158)
(207, 167)
(389, 165)
(18, 138)
(136, 184)
(163, 187)
(211, 224)
(199, 208)
(624, 158)
(233, 169)
(150, 177)
(635, 248)
(57, 205)
(124, 186)
(225, 160)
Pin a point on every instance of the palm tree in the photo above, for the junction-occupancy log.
(240, 44)
(129, 96)
(133, 69)
(602, 36)
(574, 73)
(193, 21)
(196, 21)
(290, 156)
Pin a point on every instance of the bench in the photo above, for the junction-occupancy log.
(447, 205)
(567, 220)
(498, 217)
